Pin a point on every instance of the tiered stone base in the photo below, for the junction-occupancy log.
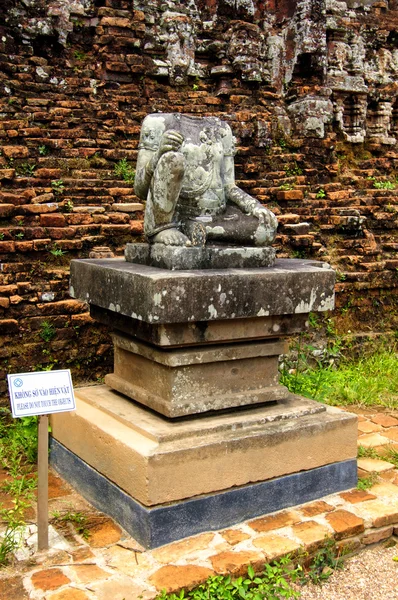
(165, 480)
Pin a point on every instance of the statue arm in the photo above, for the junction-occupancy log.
(246, 203)
(146, 165)
(148, 159)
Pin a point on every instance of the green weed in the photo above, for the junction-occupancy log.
(392, 456)
(321, 193)
(382, 185)
(367, 452)
(79, 55)
(26, 169)
(286, 186)
(44, 150)
(272, 584)
(365, 483)
(58, 186)
(77, 519)
(324, 563)
(57, 252)
(293, 170)
(18, 453)
(124, 171)
(48, 331)
(68, 206)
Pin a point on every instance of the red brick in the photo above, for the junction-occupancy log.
(385, 420)
(277, 521)
(52, 220)
(172, 578)
(7, 247)
(236, 563)
(15, 151)
(49, 579)
(345, 524)
(6, 210)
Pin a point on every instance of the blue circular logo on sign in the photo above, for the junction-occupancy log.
(18, 382)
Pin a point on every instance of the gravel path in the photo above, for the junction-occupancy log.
(371, 575)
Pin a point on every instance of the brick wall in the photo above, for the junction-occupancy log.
(71, 103)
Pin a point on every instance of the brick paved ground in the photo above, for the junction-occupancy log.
(110, 564)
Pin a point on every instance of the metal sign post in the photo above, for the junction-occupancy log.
(42, 484)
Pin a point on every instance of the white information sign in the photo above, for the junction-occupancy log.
(41, 393)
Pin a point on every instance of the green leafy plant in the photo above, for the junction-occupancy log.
(321, 193)
(293, 170)
(58, 186)
(47, 331)
(382, 185)
(26, 169)
(286, 186)
(19, 236)
(18, 453)
(43, 150)
(57, 252)
(367, 452)
(365, 483)
(79, 55)
(272, 584)
(1, 235)
(68, 206)
(125, 171)
(326, 560)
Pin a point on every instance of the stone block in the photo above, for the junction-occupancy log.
(311, 534)
(278, 521)
(172, 578)
(344, 523)
(236, 563)
(159, 296)
(373, 465)
(208, 257)
(188, 381)
(275, 546)
(203, 332)
(153, 459)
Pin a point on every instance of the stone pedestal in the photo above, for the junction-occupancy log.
(195, 391)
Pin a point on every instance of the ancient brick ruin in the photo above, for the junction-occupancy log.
(310, 90)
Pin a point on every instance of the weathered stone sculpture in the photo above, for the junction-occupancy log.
(196, 216)
(185, 172)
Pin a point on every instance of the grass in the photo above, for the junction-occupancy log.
(18, 455)
(366, 381)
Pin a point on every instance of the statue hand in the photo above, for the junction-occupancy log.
(170, 142)
(264, 215)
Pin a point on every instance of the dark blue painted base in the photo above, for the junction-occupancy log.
(166, 523)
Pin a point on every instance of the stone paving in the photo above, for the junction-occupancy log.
(107, 563)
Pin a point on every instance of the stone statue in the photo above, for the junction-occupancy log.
(185, 173)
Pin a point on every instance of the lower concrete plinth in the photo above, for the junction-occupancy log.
(138, 466)
(153, 527)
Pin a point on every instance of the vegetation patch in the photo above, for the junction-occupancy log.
(327, 376)
(18, 455)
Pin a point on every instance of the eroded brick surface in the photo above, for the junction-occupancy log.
(173, 578)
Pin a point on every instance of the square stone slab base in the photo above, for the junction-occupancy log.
(137, 466)
(207, 257)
